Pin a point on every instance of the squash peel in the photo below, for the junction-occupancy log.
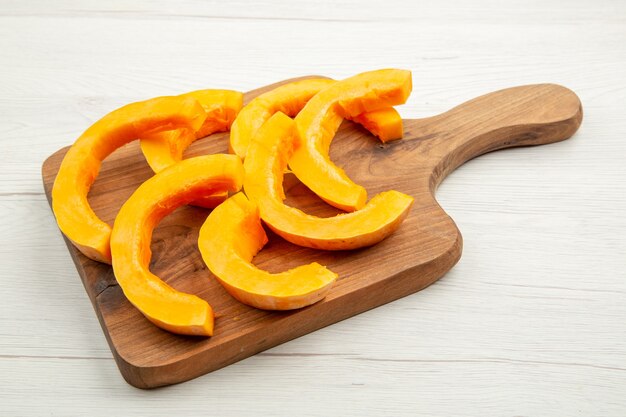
(267, 158)
(81, 164)
(290, 99)
(177, 185)
(319, 120)
(231, 236)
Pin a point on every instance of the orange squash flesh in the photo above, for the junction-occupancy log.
(166, 148)
(386, 124)
(82, 162)
(177, 185)
(264, 166)
(319, 120)
(290, 99)
(231, 236)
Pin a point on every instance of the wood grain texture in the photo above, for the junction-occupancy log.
(426, 247)
(530, 322)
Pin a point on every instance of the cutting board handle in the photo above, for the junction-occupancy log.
(519, 116)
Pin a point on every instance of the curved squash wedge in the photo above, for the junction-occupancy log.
(290, 99)
(386, 124)
(264, 166)
(177, 185)
(319, 120)
(166, 148)
(231, 236)
(82, 162)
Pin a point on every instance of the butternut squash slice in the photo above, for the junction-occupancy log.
(166, 148)
(290, 99)
(386, 124)
(231, 236)
(319, 120)
(82, 162)
(264, 166)
(177, 185)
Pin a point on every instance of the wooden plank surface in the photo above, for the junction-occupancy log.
(530, 322)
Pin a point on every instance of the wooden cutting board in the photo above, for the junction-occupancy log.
(425, 247)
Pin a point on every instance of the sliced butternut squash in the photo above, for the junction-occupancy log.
(231, 236)
(319, 120)
(386, 124)
(82, 162)
(166, 148)
(264, 166)
(177, 185)
(290, 99)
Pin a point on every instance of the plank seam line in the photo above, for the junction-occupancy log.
(53, 357)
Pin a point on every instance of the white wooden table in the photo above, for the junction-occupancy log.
(531, 322)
